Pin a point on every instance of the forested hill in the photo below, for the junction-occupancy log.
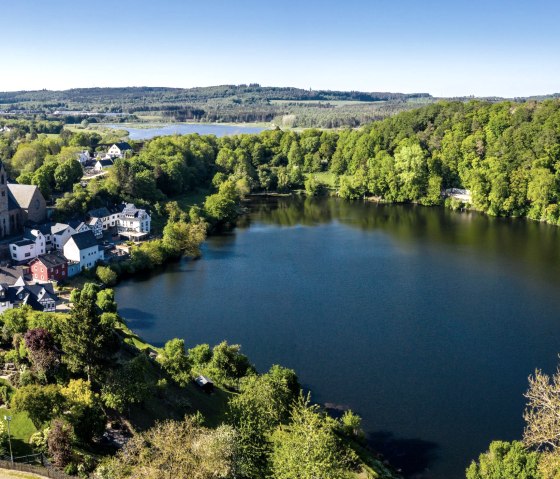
(226, 103)
(166, 95)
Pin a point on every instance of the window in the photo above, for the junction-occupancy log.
(27, 255)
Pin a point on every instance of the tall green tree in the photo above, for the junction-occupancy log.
(505, 460)
(87, 340)
(308, 447)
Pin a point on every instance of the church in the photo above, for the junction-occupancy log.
(19, 205)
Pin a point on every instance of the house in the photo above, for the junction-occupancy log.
(73, 268)
(109, 216)
(84, 157)
(41, 297)
(103, 164)
(10, 274)
(204, 383)
(60, 233)
(32, 245)
(95, 224)
(19, 204)
(84, 249)
(134, 220)
(50, 267)
(78, 226)
(118, 150)
(460, 194)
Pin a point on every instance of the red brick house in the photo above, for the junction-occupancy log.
(49, 267)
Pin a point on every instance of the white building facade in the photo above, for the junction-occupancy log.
(84, 249)
(32, 245)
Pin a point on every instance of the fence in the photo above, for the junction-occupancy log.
(41, 471)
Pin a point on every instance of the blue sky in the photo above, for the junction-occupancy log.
(505, 48)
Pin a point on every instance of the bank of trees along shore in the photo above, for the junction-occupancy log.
(507, 154)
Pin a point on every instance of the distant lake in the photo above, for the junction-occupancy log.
(424, 321)
(185, 129)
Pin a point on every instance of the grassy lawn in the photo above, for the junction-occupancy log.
(21, 429)
(178, 403)
(195, 198)
(325, 178)
(185, 201)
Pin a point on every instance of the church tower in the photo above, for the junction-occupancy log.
(4, 215)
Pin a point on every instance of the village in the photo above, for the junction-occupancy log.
(38, 255)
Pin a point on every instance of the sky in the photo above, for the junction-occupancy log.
(446, 48)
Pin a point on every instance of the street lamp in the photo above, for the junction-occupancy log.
(8, 419)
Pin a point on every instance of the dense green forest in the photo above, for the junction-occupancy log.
(507, 154)
(227, 103)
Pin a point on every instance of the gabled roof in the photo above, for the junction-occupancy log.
(122, 146)
(31, 294)
(99, 213)
(131, 211)
(9, 275)
(105, 162)
(76, 224)
(59, 228)
(31, 234)
(23, 242)
(52, 260)
(45, 228)
(83, 240)
(22, 194)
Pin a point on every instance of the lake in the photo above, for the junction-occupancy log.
(426, 322)
(135, 133)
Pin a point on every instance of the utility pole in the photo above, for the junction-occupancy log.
(8, 419)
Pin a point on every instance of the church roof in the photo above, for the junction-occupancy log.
(22, 194)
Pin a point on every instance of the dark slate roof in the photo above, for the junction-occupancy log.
(23, 242)
(52, 260)
(44, 228)
(76, 224)
(29, 294)
(99, 213)
(28, 234)
(12, 203)
(106, 162)
(10, 274)
(123, 146)
(84, 240)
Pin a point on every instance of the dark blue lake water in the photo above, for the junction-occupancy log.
(185, 129)
(424, 321)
